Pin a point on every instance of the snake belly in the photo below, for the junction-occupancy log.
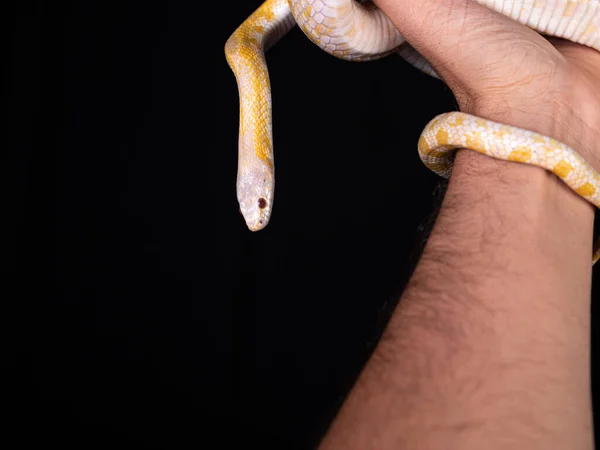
(358, 31)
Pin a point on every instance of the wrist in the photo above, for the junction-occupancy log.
(521, 215)
(573, 118)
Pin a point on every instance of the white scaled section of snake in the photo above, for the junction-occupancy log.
(358, 31)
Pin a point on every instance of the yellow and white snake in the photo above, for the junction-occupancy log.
(358, 31)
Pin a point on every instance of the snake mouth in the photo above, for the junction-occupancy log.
(256, 219)
(256, 226)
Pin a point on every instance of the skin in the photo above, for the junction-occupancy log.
(489, 345)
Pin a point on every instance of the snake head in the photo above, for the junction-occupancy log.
(255, 196)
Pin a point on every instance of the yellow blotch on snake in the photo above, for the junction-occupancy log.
(423, 145)
(442, 137)
(460, 120)
(562, 168)
(474, 141)
(585, 190)
(520, 154)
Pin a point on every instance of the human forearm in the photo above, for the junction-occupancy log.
(489, 347)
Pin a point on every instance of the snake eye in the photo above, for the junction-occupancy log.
(262, 203)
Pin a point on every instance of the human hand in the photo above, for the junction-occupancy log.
(504, 71)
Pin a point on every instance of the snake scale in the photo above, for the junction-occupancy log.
(357, 31)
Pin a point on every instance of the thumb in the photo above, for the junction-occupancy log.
(480, 53)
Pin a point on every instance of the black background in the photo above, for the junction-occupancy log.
(137, 306)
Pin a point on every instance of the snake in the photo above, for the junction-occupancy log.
(355, 30)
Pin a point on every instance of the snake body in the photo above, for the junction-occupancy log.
(358, 31)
